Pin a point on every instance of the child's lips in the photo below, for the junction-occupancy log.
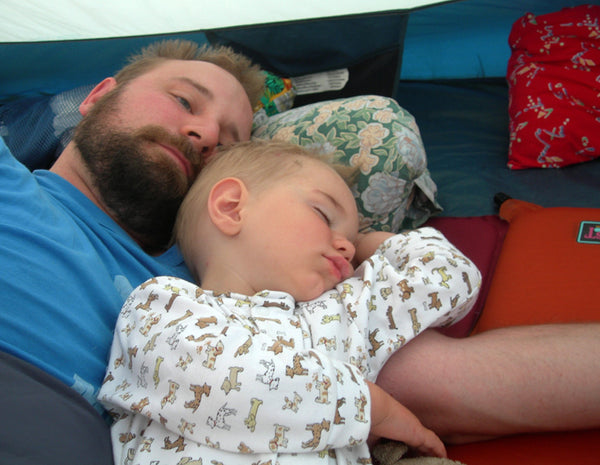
(341, 268)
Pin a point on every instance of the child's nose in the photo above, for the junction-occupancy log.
(344, 246)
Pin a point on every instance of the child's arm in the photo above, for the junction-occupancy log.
(390, 419)
(367, 243)
(427, 273)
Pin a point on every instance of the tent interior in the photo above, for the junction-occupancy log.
(444, 62)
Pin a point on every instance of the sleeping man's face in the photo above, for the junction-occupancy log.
(144, 143)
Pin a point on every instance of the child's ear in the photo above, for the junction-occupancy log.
(225, 201)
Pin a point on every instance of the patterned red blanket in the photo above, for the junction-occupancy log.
(554, 83)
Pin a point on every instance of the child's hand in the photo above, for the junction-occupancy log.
(390, 419)
(367, 243)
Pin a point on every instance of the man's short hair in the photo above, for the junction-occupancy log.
(250, 75)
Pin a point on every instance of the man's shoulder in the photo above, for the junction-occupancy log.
(7, 160)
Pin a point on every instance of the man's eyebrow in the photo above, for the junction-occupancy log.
(199, 87)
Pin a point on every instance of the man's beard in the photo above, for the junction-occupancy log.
(141, 188)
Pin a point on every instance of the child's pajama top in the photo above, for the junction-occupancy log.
(197, 377)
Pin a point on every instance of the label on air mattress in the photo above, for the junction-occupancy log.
(589, 232)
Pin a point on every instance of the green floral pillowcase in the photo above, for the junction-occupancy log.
(394, 190)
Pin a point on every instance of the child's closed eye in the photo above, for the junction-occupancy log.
(323, 215)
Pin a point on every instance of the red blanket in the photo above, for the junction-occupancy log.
(554, 83)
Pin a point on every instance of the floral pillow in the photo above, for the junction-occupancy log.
(394, 189)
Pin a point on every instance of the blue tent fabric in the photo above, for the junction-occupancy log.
(370, 46)
(464, 127)
(37, 129)
(34, 69)
(465, 39)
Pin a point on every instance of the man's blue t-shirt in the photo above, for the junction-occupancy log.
(65, 270)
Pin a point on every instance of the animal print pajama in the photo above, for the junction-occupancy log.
(199, 377)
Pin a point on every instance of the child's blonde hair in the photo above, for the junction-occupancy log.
(258, 164)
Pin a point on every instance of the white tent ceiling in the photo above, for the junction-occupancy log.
(43, 20)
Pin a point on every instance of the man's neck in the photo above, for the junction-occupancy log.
(70, 166)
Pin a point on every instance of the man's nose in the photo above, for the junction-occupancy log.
(203, 135)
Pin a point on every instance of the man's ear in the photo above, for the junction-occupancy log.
(225, 202)
(96, 93)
